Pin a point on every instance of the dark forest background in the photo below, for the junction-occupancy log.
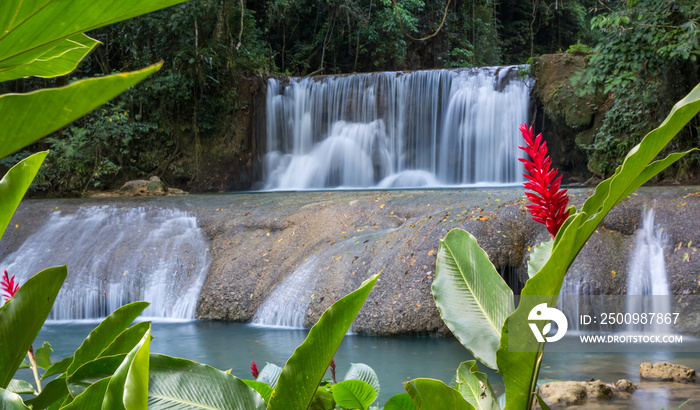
(641, 56)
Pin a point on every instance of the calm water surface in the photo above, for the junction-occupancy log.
(226, 345)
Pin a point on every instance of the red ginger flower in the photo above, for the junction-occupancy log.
(254, 369)
(8, 286)
(332, 366)
(548, 202)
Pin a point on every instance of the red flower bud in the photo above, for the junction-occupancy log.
(548, 202)
(8, 286)
(332, 366)
(254, 369)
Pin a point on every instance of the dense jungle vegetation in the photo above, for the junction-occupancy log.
(641, 55)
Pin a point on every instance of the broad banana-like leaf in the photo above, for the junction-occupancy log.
(15, 183)
(102, 336)
(127, 339)
(263, 389)
(22, 317)
(59, 57)
(128, 387)
(91, 398)
(400, 401)
(353, 394)
(473, 299)
(93, 371)
(32, 28)
(58, 367)
(519, 356)
(53, 393)
(182, 384)
(11, 401)
(270, 374)
(538, 257)
(360, 371)
(475, 387)
(305, 369)
(26, 118)
(21, 387)
(431, 394)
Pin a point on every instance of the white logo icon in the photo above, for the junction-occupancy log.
(542, 312)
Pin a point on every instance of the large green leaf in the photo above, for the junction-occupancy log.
(11, 401)
(127, 339)
(519, 356)
(15, 183)
(54, 392)
(354, 394)
(401, 401)
(128, 387)
(538, 257)
(59, 57)
(360, 371)
(22, 317)
(58, 367)
(473, 299)
(475, 387)
(21, 387)
(93, 371)
(304, 370)
(31, 27)
(102, 336)
(263, 389)
(431, 394)
(91, 398)
(57, 107)
(270, 374)
(182, 384)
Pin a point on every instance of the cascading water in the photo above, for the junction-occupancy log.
(424, 128)
(286, 306)
(647, 276)
(116, 256)
(287, 303)
(647, 285)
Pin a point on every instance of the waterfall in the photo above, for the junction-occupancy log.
(116, 256)
(647, 283)
(287, 305)
(647, 286)
(391, 129)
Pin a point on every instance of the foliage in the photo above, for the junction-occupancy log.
(113, 368)
(539, 27)
(520, 355)
(646, 58)
(95, 151)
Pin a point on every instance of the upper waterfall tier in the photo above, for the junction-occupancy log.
(389, 130)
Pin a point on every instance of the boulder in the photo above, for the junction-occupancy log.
(153, 187)
(569, 393)
(625, 385)
(666, 372)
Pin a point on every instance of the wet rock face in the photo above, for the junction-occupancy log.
(667, 372)
(257, 240)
